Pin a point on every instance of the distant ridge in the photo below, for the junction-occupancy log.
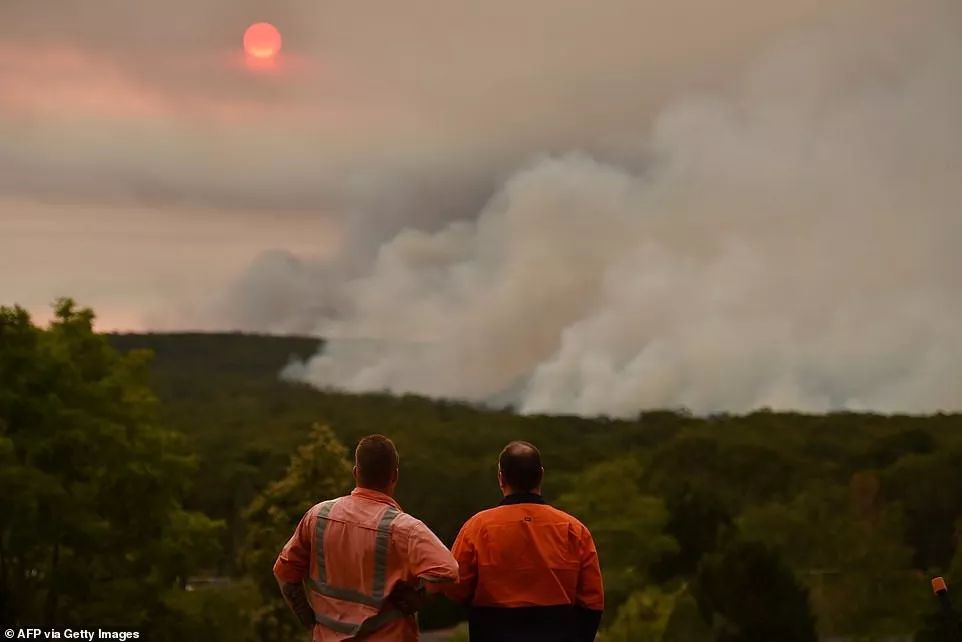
(256, 355)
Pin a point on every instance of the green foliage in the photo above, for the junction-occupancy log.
(928, 488)
(697, 517)
(91, 527)
(210, 613)
(857, 568)
(319, 469)
(785, 479)
(686, 622)
(749, 594)
(643, 617)
(890, 448)
(627, 526)
(936, 627)
(740, 473)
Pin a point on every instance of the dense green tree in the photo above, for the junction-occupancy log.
(697, 517)
(91, 526)
(847, 547)
(928, 488)
(937, 626)
(218, 612)
(890, 448)
(319, 470)
(686, 622)
(643, 617)
(740, 473)
(627, 525)
(749, 594)
(802, 484)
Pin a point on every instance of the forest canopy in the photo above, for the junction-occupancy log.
(148, 481)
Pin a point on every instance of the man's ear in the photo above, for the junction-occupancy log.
(396, 475)
(354, 473)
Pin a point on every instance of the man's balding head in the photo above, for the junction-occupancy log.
(520, 467)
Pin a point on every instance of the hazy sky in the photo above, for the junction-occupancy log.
(578, 206)
(143, 166)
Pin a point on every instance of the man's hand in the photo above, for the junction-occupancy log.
(407, 599)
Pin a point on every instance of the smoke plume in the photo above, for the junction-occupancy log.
(788, 240)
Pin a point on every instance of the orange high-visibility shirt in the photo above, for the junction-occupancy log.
(351, 552)
(528, 571)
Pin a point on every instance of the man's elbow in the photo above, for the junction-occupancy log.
(445, 573)
(451, 570)
(285, 573)
(460, 590)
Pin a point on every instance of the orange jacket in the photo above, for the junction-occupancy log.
(520, 558)
(351, 551)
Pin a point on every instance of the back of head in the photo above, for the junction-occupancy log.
(376, 459)
(520, 465)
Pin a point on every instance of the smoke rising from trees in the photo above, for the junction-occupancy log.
(788, 241)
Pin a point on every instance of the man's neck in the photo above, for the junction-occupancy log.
(383, 491)
(508, 492)
(523, 497)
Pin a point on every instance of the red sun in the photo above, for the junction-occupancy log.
(262, 41)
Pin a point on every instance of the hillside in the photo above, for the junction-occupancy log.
(224, 393)
(863, 497)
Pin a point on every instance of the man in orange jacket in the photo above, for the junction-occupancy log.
(529, 572)
(363, 560)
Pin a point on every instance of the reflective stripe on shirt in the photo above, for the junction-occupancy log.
(376, 598)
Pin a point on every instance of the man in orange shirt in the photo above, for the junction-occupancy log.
(363, 560)
(529, 572)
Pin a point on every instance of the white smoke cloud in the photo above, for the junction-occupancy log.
(791, 242)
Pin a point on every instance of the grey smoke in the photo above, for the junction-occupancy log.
(136, 127)
(789, 240)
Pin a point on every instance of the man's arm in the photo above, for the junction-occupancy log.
(590, 594)
(429, 559)
(292, 567)
(466, 557)
(297, 601)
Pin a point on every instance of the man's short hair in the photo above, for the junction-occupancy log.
(376, 459)
(520, 464)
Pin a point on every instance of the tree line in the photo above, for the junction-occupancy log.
(148, 481)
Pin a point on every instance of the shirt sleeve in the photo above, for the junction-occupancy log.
(429, 559)
(465, 554)
(293, 564)
(591, 592)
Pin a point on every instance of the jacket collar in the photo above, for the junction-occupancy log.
(522, 498)
(375, 496)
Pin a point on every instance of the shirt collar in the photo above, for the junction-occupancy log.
(375, 496)
(522, 498)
